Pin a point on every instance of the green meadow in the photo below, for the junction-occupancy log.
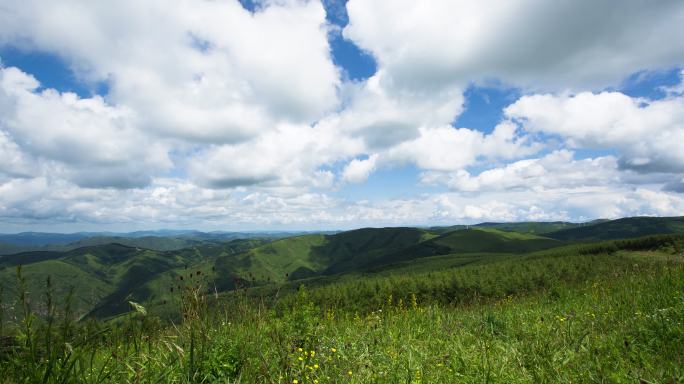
(393, 305)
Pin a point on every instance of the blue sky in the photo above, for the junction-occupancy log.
(364, 114)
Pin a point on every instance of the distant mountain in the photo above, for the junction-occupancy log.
(534, 227)
(36, 239)
(161, 240)
(150, 242)
(621, 229)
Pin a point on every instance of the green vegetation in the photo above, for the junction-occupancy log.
(106, 277)
(622, 229)
(388, 305)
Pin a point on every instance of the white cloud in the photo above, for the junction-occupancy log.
(556, 170)
(647, 134)
(531, 43)
(384, 117)
(251, 114)
(13, 162)
(358, 171)
(43, 203)
(204, 71)
(92, 142)
(291, 156)
(448, 149)
(678, 89)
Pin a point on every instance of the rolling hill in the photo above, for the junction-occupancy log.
(357, 250)
(161, 240)
(106, 272)
(105, 276)
(621, 229)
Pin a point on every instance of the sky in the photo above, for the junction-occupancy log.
(318, 115)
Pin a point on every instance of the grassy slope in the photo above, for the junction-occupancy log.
(147, 276)
(272, 261)
(492, 240)
(459, 276)
(551, 316)
(107, 276)
(308, 256)
(622, 229)
(537, 227)
(88, 289)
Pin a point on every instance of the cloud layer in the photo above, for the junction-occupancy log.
(220, 118)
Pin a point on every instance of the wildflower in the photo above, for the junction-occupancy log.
(295, 381)
(299, 349)
(349, 373)
(315, 366)
(333, 350)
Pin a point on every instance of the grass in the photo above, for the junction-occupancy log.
(130, 271)
(609, 312)
(621, 229)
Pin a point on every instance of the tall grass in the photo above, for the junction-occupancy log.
(574, 316)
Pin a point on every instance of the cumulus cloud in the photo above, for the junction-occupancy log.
(92, 143)
(179, 203)
(646, 133)
(558, 169)
(203, 71)
(13, 162)
(291, 156)
(447, 148)
(373, 112)
(530, 43)
(358, 170)
(249, 113)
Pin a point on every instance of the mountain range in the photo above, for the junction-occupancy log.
(106, 270)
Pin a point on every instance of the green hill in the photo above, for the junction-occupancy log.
(492, 240)
(357, 250)
(104, 277)
(109, 275)
(383, 305)
(305, 256)
(622, 229)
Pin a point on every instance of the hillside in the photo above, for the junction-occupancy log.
(160, 240)
(105, 276)
(126, 271)
(621, 229)
(357, 250)
(586, 312)
(111, 274)
(390, 303)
